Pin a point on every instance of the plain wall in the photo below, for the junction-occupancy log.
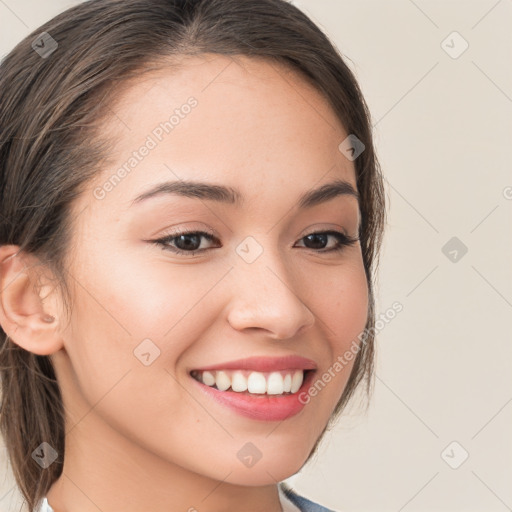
(443, 129)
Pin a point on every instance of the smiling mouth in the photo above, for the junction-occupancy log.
(282, 382)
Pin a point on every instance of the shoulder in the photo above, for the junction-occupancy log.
(303, 504)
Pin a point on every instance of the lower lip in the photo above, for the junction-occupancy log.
(260, 407)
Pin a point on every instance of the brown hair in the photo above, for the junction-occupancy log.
(51, 109)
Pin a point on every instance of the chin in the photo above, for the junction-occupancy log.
(265, 472)
(253, 477)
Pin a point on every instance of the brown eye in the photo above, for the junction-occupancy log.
(187, 243)
(318, 240)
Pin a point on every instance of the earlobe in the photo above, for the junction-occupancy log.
(23, 315)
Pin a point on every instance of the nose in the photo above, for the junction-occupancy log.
(265, 295)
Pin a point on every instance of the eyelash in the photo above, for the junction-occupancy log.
(343, 241)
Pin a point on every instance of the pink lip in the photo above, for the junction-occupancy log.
(265, 364)
(259, 407)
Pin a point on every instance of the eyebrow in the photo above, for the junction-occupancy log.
(232, 196)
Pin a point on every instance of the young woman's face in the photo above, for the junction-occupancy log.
(148, 321)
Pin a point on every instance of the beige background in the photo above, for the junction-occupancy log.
(443, 131)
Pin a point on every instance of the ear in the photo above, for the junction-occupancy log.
(27, 315)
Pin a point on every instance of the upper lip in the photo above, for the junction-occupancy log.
(264, 364)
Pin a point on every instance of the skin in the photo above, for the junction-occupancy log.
(143, 437)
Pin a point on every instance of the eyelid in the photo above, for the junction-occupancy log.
(323, 226)
(176, 231)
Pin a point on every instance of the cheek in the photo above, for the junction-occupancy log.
(130, 325)
(342, 305)
(341, 302)
(132, 300)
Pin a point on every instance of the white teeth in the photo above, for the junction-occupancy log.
(297, 379)
(240, 381)
(208, 379)
(256, 383)
(275, 384)
(222, 381)
(287, 384)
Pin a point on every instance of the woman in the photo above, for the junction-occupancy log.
(191, 215)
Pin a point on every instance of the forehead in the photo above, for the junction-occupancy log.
(255, 125)
(214, 77)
